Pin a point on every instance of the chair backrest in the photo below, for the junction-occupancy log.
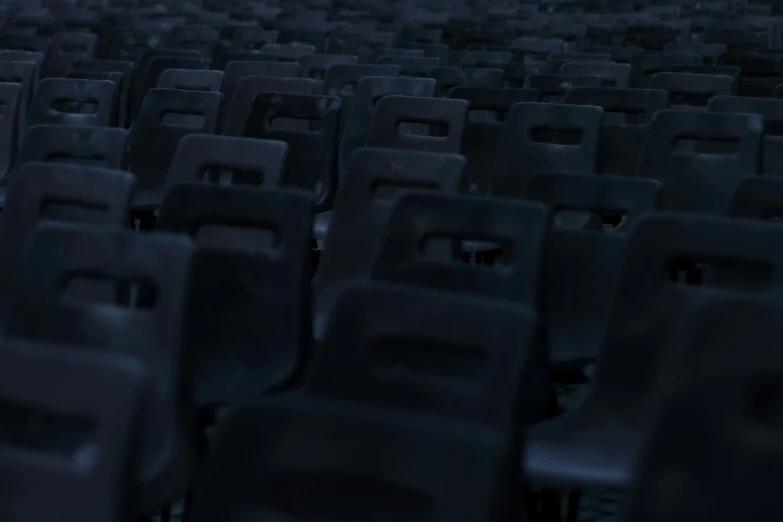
(458, 470)
(191, 80)
(645, 65)
(700, 182)
(236, 70)
(772, 111)
(111, 66)
(449, 77)
(426, 234)
(64, 49)
(616, 75)
(670, 260)
(84, 459)
(249, 87)
(690, 91)
(488, 110)
(167, 116)
(706, 418)
(627, 113)
(77, 288)
(69, 101)
(102, 147)
(432, 339)
(529, 144)
(552, 87)
(316, 66)
(442, 119)
(308, 124)
(369, 90)
(250, 313)
(227, 160)
(57, 192)
(362, 207)
(593, 216)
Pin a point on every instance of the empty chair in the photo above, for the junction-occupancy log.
(343, 452)
(157, 65)
(227, 160)
(705, 418)
(139, 81)
(101, 147)
(74, 102)
(449, 77)
(578, 296)
(308, 124)
(627, 113)
(376, 325)
(361, 210)
(64, 49)
(611, 74)
(443, 122)
(551, 88)
(545, 137)
(758, 197)
(670, 259)
(248, 87)
(250, 309)
(772, 111)
(237, 70)
(419, 220)
(692, 91)
(76, 289)
(166, 116)
(111, 66)
(58, 192)
(191, 80)
(488, 109)
(701, 182)
(92, 407)
(362, 108)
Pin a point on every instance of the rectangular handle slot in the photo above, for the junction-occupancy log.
(37, 430)
(96, 288)
(735, 274)
(183, 119)
(73, 211)
(75, 107)
(400, 354)
(237, 237)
